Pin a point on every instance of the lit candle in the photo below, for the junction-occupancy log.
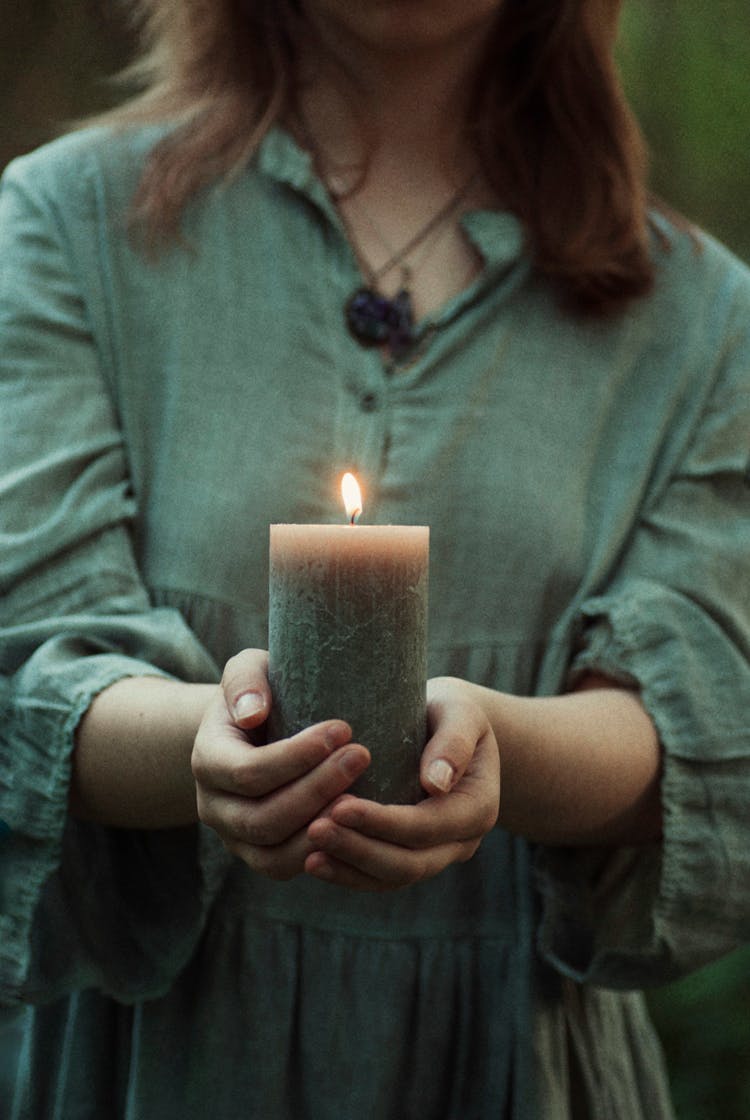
(348, 640)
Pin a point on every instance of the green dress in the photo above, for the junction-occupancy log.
(586, 485)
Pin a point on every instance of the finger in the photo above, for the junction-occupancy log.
(282, 862)
(352, 860)
(341, 875)
(275, 818)
(246, 688)
(229, 763)
(468, 811)
(456, 724)
(328, 870)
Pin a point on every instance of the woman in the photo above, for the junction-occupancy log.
(409, 239)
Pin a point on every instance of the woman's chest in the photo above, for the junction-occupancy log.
(516, 442)
(506, 478)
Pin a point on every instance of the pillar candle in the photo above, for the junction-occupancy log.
(348, 640)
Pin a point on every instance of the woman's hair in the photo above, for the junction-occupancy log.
(550, 122)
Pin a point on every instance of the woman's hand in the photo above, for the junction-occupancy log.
(260, 799)
(366, 846)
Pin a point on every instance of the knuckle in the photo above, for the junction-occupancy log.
(479, 816)
(208, 813)
(244, 778)
(489, 818)
(202, 765)
(417, 871)
(260, 829)
(468, 850)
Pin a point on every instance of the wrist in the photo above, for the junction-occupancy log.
(131, 763)
(581, 768)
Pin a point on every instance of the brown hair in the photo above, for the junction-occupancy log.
(551, 124)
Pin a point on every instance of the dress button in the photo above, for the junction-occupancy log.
(368, 402)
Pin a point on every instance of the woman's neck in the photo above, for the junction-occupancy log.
(400, 102)
(387, 127)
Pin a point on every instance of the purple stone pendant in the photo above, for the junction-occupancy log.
(376, 321)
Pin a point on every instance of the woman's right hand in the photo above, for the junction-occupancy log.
(260, 799)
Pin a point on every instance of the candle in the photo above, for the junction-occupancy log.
(348, 640)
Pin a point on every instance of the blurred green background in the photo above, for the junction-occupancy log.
(687, 70)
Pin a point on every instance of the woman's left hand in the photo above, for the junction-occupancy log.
(371, 847)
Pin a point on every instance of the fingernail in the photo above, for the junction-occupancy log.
(337, 734)
(441, 774)
(350, 762)
(248, 704)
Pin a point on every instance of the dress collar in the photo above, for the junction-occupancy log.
(283, 159)
(498, 235)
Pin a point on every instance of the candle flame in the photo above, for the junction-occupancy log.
(350, 492)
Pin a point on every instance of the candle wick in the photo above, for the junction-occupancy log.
(355, 517)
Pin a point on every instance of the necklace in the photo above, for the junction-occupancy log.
(372, 318)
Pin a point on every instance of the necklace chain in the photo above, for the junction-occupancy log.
(371, 318)
(409, 269)
(397, 257)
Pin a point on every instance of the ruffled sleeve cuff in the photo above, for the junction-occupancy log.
(83, 905)
(633, 917)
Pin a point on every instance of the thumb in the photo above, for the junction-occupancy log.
(247, 692)
(456, 728)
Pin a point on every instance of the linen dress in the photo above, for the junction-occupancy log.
(586, 485)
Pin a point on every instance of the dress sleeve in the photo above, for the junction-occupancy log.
(80, 905)
(675, 623)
